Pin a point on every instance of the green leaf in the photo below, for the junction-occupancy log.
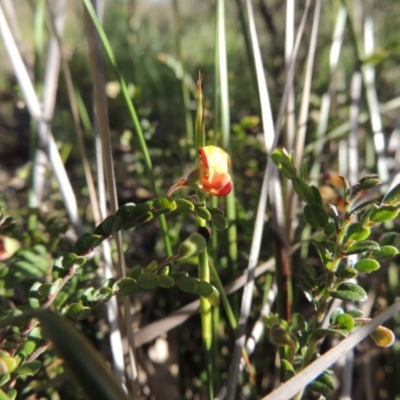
(335, 314)
(366, 183)
(26, 349)
(213, 298)
(323, 384)
(389, 239)
(130, 211)
(362, 246)
(195, 243)
(165, 271)
(303, 190)
(163, 205)
(367, 265)
(346, 188)
(202, 212)
(73, 310)
(324, 254)
(284, 162)
(139, 220)
(310, 269)
(279, 335)
(322, 332)
(204, 288)
(330, 229)
(346, 273)
(12, 394)
(83, 361)
(109, 226)
(179, 275)
(356, 313)
(392, 198)
(8, 363)
(77, 312)
(87, 242)
(188, 284)
(288, 170)
(109, 282)
(152, 266)
(349, 291)
(299, 322)
(135, 214)
(102, 295)
(135, 272)
(383, 214)
(29, 369)
(166, 281)
(288, 370)
(345, 321)
(357, 232)
(68, 260)
(126, 286)
(316, 216)
(385, 252)
(148, 280)
(184, 206)
(364, 207)
(303, 171)
(219, 221)
(35, 298)
(280, 155)
(316, 195)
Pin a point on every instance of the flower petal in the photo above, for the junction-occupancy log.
(215, 159)
(218, 185)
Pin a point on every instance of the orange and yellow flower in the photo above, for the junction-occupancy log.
(212, 176)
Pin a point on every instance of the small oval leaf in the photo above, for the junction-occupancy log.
(166, 281)
(195, 243)
(367, 265)
(148, 280)
(345, 321)
(392, 198)
(316, 216)
(349, 291)
(303, 190)
(219, 221)
(163, 205)
(184, 206)
(357, 232)
(362, 246)
(188, 284)
(29, 369)
(102, 295)
(111, 225)
(203, 213)
(323, 384)
(126, 286)
(204, 288)
(135, 272)
(213, 298)
(383, 214)
(385, 252)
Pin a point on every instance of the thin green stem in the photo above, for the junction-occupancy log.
(133, 115)
(206, 317)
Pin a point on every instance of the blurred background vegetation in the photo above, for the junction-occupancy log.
(145, 36)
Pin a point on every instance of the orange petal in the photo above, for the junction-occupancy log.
(215, 159)
(219, 185)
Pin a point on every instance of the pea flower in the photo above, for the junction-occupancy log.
(212, 176)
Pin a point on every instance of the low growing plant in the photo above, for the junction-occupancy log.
(343, 243)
